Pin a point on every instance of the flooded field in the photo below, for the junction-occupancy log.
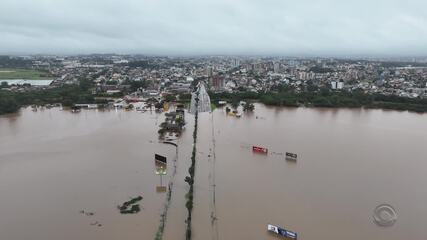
(349, 162)
(54, 164)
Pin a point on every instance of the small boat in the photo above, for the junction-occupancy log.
(259, 149)
(238, 115)
(282, 232)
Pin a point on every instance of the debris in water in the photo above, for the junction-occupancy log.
(244, 145)
(277, 153)
(259, 149)
(96, 224)
(131, 206)
(87, 213)
(291, 156)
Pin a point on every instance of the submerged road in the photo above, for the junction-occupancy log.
(205, 216)
(164, 214)
(214, 218)
(204, 104)
(204, 212)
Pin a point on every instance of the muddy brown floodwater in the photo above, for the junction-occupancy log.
(53, 164)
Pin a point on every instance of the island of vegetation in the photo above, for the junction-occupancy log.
(174, 122)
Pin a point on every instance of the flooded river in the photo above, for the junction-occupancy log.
(54, 164)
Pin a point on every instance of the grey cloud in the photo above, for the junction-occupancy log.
(276, 27)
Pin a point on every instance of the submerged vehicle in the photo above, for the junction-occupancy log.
(281, 231)
(259, 149)
(291, 156)
(75, 109)
(141, 109)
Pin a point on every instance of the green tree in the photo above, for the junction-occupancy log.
(170, 98)
(8, 103)
(235, 100)
(184, 97)
(248, 107)
(135, 85)
(112, 82)
(85, 84)
(4, 85)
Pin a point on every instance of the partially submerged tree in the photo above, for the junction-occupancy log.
(248, 107)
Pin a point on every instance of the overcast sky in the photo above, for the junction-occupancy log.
(197, 27)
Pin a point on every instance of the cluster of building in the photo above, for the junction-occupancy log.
(113, 74)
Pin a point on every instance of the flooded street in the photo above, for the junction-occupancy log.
(54, 164)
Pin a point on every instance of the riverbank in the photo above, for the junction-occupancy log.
(11, 102)
(326, 98)
(67, 96)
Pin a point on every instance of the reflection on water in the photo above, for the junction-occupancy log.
(54, 165)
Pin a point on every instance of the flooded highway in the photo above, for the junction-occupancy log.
(55, 164)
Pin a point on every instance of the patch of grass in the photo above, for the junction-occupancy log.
(18, 73)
